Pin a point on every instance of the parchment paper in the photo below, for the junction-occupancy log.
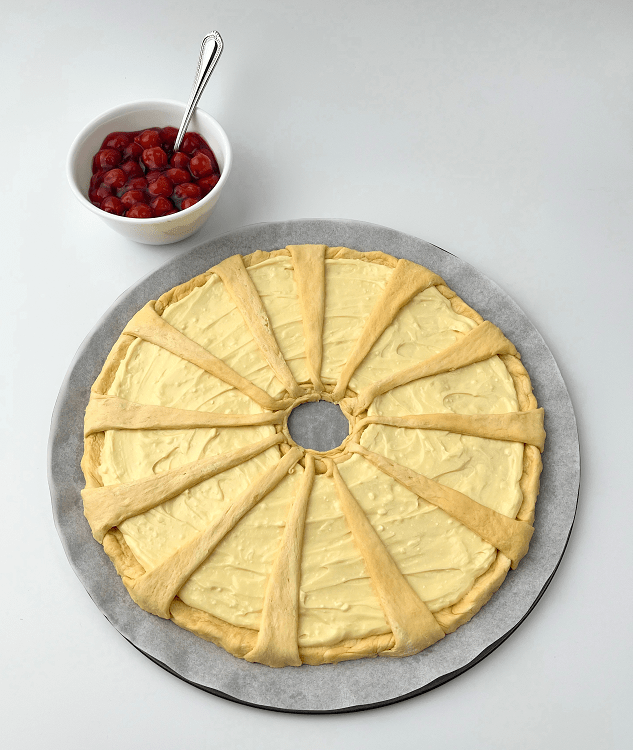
(351, 685)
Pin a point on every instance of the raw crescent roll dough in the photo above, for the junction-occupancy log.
(215, 518)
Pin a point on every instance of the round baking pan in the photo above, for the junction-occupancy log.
(352, 685)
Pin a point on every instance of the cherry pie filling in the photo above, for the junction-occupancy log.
(137, 174)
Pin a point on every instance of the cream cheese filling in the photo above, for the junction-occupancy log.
(337, 600)
(487, 471)
(151, 375)
(208, 316)
(231, 583)
(440, 558)
(276, 286)
(156, 534)
(352, 288)
(482, 388)
(425, 326)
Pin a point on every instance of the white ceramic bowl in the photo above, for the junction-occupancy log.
(137, 116)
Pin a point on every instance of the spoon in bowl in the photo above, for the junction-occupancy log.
(212, 46)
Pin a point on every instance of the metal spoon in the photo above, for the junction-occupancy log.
(212, 46)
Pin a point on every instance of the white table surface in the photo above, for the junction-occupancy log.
(500, 131)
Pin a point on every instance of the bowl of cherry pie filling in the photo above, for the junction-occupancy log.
(123, 168)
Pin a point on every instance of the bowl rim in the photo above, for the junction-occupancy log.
(121, 109)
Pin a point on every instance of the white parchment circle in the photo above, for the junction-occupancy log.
(350, 685)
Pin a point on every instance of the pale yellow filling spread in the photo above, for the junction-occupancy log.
(488, 471)
(230, 584)
(421, 329)
(209, 317)
(352, 288)
(482, 388)
(275, 284)
(337, 600)
(159, 532)
(154, 376)
(440, 557)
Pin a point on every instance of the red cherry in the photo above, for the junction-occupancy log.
(132, 151)
(155, 158)
(97, 179)
(187, 190)
(168, 136)
(107, 158)
(162, 206)
(132, 197)
(112, 205)
(117, 140)
(97, 194)
(135, 183)
(180, 160)
(139, 211)
(177, 176)
(160, 186)
(190, 143)
(211, 155)
(200, 165)
(153, 174)
(148, 139)
(188, 202)
(132, 168)
(115, 177)
(206, 184)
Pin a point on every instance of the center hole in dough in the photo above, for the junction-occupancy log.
(318, 425)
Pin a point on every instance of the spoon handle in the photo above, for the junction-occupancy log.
(212, 46)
